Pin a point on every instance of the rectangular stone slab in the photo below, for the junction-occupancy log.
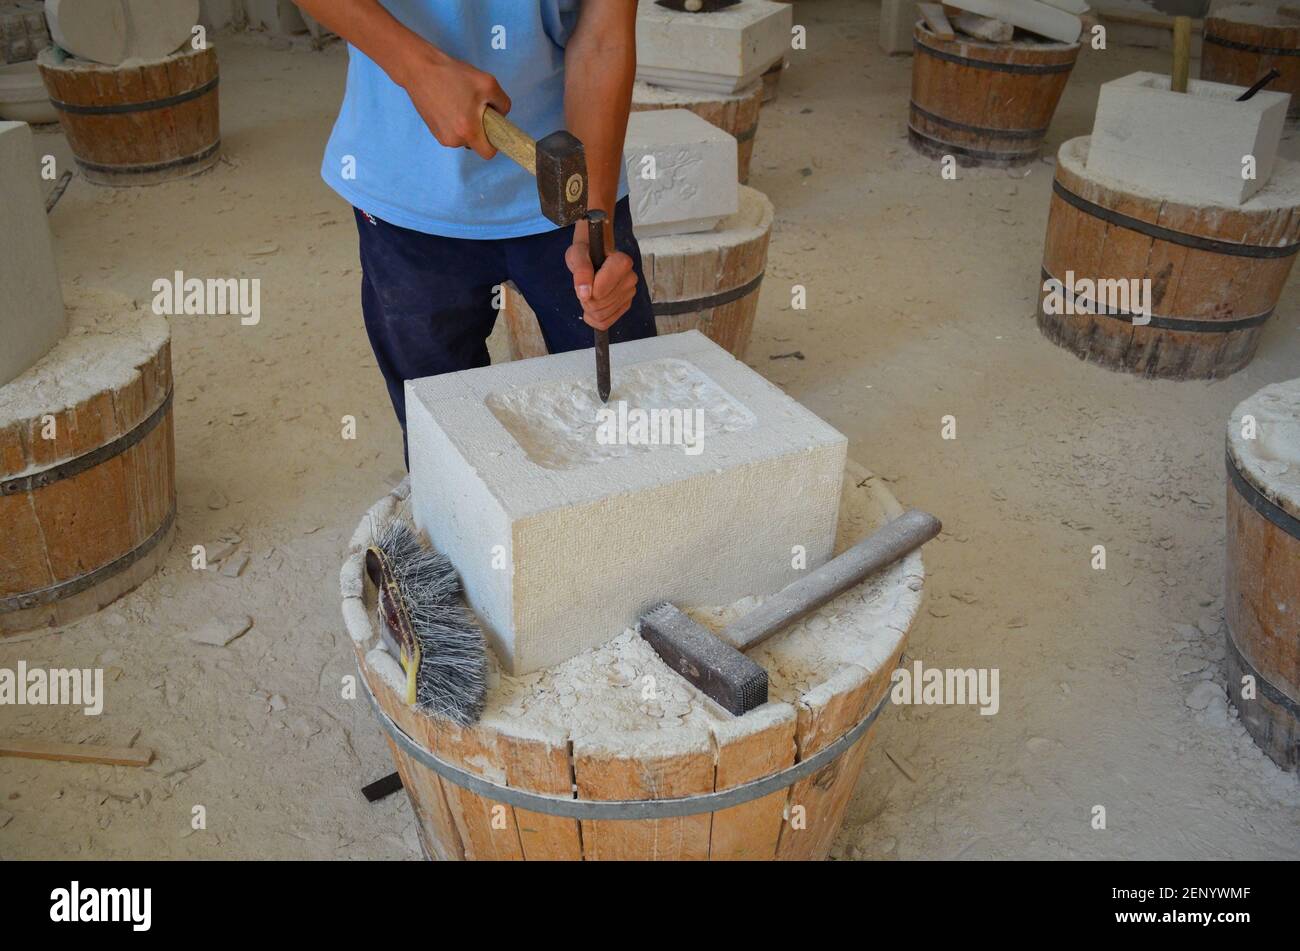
(31, 307)
(721, 51)
(563, 540)
(1189, 145)
(681, 172)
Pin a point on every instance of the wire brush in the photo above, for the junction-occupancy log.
(426, 623)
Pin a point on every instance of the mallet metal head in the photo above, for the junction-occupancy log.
(711, 664)
(562, 178)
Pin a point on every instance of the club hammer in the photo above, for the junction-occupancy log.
(715, 664)
(559, 163)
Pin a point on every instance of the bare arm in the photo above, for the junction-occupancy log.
(600, 67)
(449, 94)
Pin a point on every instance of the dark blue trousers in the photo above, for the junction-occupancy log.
(428, 300)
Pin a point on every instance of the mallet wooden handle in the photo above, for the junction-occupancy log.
(509, 138)
(895, 539)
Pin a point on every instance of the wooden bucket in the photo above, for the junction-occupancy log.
(1241, 53)
(530, 787)
(87, 469)
(771, 80)
(984, 103)
(736, 114)
(707, 282)
(1215, 271)
(138, 125)
(1262, 584)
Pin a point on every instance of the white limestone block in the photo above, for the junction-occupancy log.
(721, 51)
(563, 537)
(681, 172)
(1188, 144)
(1077, 7)
(112, 31)
(32, 319)
(159, 27)
(897, 18)
(1049, 21)
(92, 29)
(984, 28)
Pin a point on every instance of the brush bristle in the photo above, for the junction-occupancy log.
(452, 679)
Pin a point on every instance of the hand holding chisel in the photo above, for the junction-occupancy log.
(560, 166)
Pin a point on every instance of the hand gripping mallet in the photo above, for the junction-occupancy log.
(559, 164)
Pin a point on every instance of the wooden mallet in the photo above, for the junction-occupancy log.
(559, 163)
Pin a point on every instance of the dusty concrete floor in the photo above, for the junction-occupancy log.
(921, 294)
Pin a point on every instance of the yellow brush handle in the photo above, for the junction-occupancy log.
(1182, 54)
(509, 138)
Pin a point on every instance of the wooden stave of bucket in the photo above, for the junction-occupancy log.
(955, 81)
(771, 80)
(1241, 53)
(139, 125)
(722, 270)
(1262, 591)
(91, 513)
(1096, 229)
(456, 823)
(736, 114)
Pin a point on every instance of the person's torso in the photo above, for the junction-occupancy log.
(382, 157)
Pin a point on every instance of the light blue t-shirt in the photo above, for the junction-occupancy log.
(383, 159)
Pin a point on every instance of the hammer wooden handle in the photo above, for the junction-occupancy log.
(894, 540)
(509, 138)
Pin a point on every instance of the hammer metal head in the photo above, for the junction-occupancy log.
(562, 178)
(711, 664)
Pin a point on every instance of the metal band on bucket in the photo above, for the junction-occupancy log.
(569, 808)
(1269, 510)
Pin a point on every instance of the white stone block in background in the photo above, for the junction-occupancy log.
(111, 31)
(562, 541)
(897, 17)
(1047, 21)
(722, 51)
(31, 305)
(681, 172)
(1188, 145)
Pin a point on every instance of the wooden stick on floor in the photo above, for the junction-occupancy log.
(75, 752)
